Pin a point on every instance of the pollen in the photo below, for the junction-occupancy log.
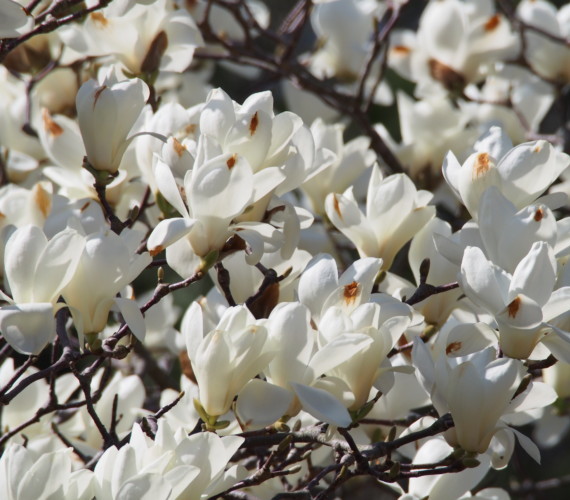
(231, 161)
(513, 307)
(42, 199)
(538, 147)
(179, 148)
(50, 126)
(85, 206)
(481, 165)
(538, 215)
(492, 23)
(453, 347)
(100, 19)
(351, 292)
(253, 123)
(401, 50)
(336, 206)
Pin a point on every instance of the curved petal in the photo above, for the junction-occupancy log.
(260, 404)
(168, 188)
(322, 405)
(167, 232)
(28, 328)
(133, 317)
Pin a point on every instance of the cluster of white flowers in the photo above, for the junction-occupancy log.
(126, 176)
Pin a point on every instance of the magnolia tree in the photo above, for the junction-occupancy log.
(228, 272)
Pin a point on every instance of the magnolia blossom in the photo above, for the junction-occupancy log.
(549, 58)
(144, 39)
(424, 146)
(523, 303)
(24, 406)
(278, 148)
(320, 287)
(383, 321)
(345, 29)
(217, 191)
(106, 114)
(503, 233)
(521, 173)
(106, 266)
(491, 384)
(28, 474)
(173, 465)
(455, 42)
(512, 96)
(225, 359)
(395, 212)
(36, 270)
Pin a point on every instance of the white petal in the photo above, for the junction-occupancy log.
(260, 404)
(167, 232)
(535, 275)
(168, 188)
(47, 476)
(21, 255)
(133, 317)
(144, 486)
(322, 405)
(28, 328)
(483, 282)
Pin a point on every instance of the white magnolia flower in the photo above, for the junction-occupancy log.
(143, 38)
(424, 146)
(106, 266)
(346, 27)
(383, 322)
(173, 465)
(478, 391)
(27, 474)
(455, 42)
(512, 96)
(36, 270)
(549, 58)
(395, 212)
(216, 192)
(320, 286)
(503, 233)
(294, 373)
(345, 30)
(523, 304)
(225, 359)
(521, 173)
(106, 114)
(278, 148)
(21, 206)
